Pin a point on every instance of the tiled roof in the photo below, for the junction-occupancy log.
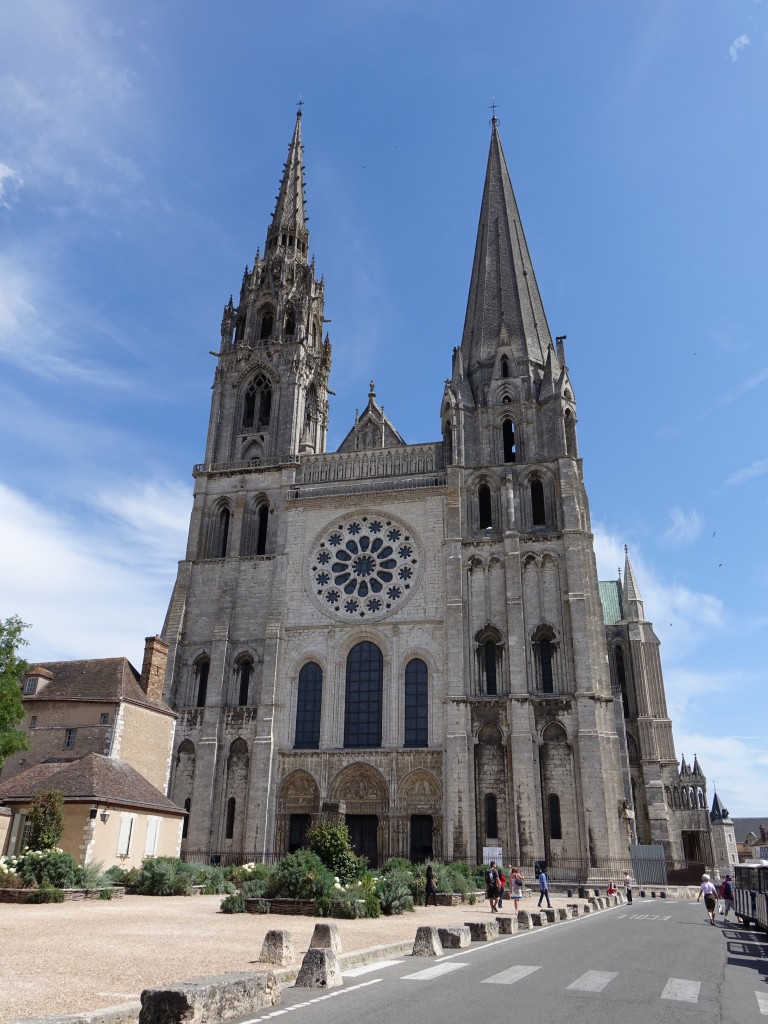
(610, 598)
(743, 826)
(100, 679)
(93, 778)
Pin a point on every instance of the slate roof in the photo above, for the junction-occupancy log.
(743, 826)
(97, 679)
(89, 779)
(610, 598)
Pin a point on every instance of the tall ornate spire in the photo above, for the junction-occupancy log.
(504, 298)
(631, 598)
(289, 221)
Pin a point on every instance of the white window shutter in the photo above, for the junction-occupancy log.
(124, 839)
(153, 828)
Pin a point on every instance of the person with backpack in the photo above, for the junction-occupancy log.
(726, 891)
(492, 886)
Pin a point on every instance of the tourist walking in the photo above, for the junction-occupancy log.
(628, 887)
(726, 891)
(502, 888)
(543, 888)
(492, 886)
(517, 882)
(431, 887)
(709, 892)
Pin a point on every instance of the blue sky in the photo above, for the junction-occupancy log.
(140, 152)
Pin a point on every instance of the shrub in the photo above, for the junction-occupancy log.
(396, 864)
(303, 876)
(332, 845)
(394, 892)
(165, 876)
(106, 894)
(52, 866)
(46, 820)
(10, 880)
(254, 888)
(122, 876)
(47, 893)
(211, 878)
(262, 907)
(238, 874)
(91, 876)
(233, 904)
(358, 898)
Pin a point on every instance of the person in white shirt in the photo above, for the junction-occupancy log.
(709, 892)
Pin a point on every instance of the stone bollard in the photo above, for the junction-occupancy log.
(592, 901)
(277, 948)
(653, 894)
(663, 895)
(455, 938)
(507, 925)
(551, 915)
(562, 913)
(319, 969)
(601, 903)
(524, 920)
(203, 1001)
(427, 942)
(586, 909)
(326, 936)
(483, 931)
(538, 919)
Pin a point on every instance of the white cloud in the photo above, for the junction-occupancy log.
(10, 181)
(685, 528)
(96, 582)
(735, 765)
(741, 476)
(738, 45)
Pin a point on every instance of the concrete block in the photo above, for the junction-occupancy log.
(586, 909)
(507, 925)
(319, 969)
(524, 920)
(427, 942)
(538, 919)
(551, 915)
(563, 913)
(326, 936)
(483, 931)
(455, 938)
(212, 999)
(277, 948)
(601, 904)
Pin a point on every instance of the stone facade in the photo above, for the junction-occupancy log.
(408, 635)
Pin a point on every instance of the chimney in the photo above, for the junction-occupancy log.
(153, 669)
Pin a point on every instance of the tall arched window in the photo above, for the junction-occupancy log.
(290, 320)
(267, 323)
(448, 443)
(244, 674)
(416, 703)
(538, 514)
(308, 706)
(262, 517)
(621, 678)
(185, 824)
(240, 329)
(545, 664)
(504, 366)
(202, 668)
(491, 817)
(223, 534)
(570, 433)
(553, 807)
(484, 506)
(363, 704)
(257, 403)
(508, 437)
(229, 829)
(490, 661)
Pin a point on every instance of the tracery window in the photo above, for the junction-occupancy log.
(267, 323)
(257, 403)
(363, 704)
(416, 703)
(308, 707)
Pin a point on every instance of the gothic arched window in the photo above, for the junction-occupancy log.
(621, 678)
(308, 706)
(555, 826)
(484, 506)
(267, 323)
(244, 675)
(416, 703)
(504, 366)
(491, 817)
(508, 437)
(448, 442)
(538, 513)
(223, 534)
(185, 824)
(570, 433)
(202, 668)
(545, 662)
(290, 321)
(257, 403)
(490, 659)
(230, 824)
(364, 690)
(262, 521)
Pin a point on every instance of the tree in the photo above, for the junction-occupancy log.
(46, 820)
(12, 668)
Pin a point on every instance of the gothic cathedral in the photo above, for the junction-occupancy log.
(411, 636)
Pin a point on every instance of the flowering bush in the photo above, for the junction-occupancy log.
(52, 866)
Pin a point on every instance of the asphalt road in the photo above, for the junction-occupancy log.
(653, 961)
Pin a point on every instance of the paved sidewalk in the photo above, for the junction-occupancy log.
(74, 957)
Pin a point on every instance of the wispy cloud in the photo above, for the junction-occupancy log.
(685, 527)
(738, 45)
(748, 384)
(754, 469)
(10, 181)
(736, 765)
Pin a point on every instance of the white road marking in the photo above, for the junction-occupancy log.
(593, 981)
(378, 965)
(762, 1002)
(681, 990)
(510, 976)
(433, 972)
(309, 1002)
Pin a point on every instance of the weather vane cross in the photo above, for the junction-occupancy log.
(493, 106)
(300, 104)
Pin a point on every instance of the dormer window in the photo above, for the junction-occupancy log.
(29, 687)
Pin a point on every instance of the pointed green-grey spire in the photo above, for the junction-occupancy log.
(631, 598)
(504, 300)
(289, 222)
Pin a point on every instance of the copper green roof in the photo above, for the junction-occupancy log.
(610, 597)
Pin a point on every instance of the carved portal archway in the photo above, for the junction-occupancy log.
(364, 793)
(298, 804)
(417, 830)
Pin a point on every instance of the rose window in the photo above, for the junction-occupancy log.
(364, 567)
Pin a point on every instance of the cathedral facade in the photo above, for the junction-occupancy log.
(412, 636)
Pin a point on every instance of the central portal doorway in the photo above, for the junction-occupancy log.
(363, 829)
